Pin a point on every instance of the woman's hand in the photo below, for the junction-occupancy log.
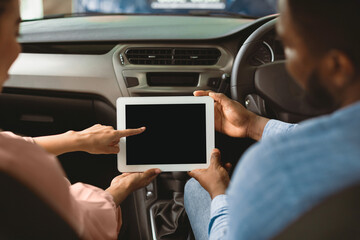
(124, 184)
(97, 139)
(214, 179)
(100, 139)
(233, 119)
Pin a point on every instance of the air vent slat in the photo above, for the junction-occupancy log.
(173, 56)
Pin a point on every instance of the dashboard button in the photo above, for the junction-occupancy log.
(131, 82)
(214, 82)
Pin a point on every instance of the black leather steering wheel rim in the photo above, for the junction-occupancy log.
(270, 82)
(243, 74)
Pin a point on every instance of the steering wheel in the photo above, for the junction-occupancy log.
(268, 85)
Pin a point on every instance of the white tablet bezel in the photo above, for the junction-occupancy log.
(210, 131)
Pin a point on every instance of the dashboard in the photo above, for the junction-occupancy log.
(115, 56)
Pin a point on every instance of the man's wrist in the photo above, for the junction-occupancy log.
(256, 126)
(215, 193)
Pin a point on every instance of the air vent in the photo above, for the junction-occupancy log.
(173, 56)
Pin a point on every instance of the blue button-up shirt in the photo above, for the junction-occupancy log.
(292, 168)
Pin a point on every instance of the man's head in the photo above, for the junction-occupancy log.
(322, 47)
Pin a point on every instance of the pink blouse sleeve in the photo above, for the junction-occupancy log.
(98, 215)
(89, 210)
(12, 135)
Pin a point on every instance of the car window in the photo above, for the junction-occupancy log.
(37, 9)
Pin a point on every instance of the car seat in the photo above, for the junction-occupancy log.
(337, 217)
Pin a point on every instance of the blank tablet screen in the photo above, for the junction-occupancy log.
(175, 134)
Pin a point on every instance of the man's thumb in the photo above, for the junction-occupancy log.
(219, 97)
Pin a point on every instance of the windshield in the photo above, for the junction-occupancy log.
(37, 9)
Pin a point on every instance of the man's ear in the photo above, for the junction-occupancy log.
(338, 68)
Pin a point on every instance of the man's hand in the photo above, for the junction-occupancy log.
(233, 119)
(214, 179)
(124, 184)
(100, 139)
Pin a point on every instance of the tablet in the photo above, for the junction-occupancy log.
(179, 133)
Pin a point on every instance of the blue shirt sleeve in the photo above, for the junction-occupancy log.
(275, 127)
(218, 218)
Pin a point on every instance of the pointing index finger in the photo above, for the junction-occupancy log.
(130, 132)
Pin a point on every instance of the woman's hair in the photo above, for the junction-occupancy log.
(3, 5)
(330, 24)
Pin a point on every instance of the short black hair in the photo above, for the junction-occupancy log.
(330, 24)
